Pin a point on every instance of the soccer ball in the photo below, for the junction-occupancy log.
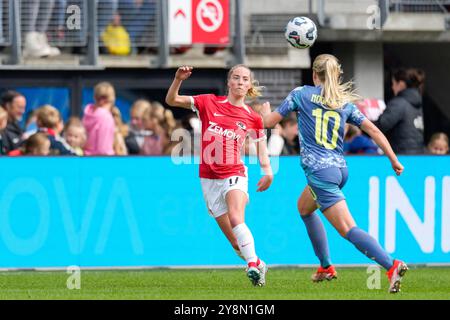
(301, 32)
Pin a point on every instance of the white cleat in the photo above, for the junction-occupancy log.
(263, 268)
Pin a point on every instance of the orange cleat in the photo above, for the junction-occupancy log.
(324, 274)
(395, 275)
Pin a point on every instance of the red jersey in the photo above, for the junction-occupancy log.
(224, 130)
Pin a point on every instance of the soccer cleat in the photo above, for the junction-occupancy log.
(263, 268)
(324, 274)
(253, 273)
(395, 275)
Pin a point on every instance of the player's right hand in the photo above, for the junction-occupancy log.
(183, 72)
(264, 183)
(398, 167)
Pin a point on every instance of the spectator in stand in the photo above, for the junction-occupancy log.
(99, 122)
(120, 147)
(116, 38)
(438, 144)
(107, 10)
(75, 135)
(3, 123)
(187, 136)
(153, 144)
(136, 133)
(138, 17)
(402, 121)
(15, 104)
(284, 139)
(37, 15)
(355, 142)
(166, 121)
(38, 144)
(30, 124)
(49, 121)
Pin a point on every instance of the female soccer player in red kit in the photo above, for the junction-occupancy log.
(226, 123)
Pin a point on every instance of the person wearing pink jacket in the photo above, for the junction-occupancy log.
(99, 122)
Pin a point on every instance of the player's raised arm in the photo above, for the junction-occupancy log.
(270, 118)
(173, 98)
(380, 139)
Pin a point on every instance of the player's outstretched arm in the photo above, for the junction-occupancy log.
(270, 118)
(380, 139)
(173, 98)
(264, 161)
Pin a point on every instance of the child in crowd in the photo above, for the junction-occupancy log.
(165, 119)
(99, 121)
(48, 120)
(121, 132)
(153, 144)
(37, 145)
(438, 144)
(75, 135)
(136, 133)
(355, 142)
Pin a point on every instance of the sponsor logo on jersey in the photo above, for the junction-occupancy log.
(241, 125)
(227, 133)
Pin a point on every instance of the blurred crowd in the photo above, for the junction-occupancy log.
(401, 119)
(100, 131)
(153, 129)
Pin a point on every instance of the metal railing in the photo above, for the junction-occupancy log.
(64, 22)
(139, 18)
(5, 23)
(67, 24)
(420, 6)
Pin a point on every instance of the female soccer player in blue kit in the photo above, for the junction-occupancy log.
(322, 111)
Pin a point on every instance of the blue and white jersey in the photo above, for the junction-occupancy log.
(321, 129)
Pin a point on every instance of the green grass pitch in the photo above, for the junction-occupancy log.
(220, 284)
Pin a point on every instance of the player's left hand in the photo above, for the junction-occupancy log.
(264, 183)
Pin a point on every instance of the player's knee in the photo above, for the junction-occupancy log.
(343, 231)
(303, 210)
(235, 221)
(236, 217)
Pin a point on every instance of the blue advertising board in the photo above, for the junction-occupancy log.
(149, 211)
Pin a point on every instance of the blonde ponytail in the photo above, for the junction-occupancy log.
(335, 94)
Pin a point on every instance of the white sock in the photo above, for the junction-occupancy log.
(245, 242)
(238, 252)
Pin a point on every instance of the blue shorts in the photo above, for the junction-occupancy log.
(325, 186)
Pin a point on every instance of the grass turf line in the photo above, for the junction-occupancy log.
(220, 284)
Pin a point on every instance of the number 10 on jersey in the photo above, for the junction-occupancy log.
(322, 121)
